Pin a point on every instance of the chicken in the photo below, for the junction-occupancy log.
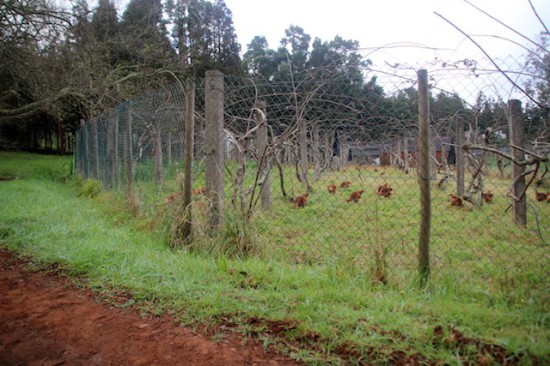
(331, 189)
(201, 190)
(345, 184)
(173, 197)
(488, 196)
(384, 190)
(355, 196)
(455, 201)
(301, 201)
(541, 196)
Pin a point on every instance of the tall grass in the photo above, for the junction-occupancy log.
(333, 309)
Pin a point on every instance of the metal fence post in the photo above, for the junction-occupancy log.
(214, 148)
(424, 142)
(517, 137)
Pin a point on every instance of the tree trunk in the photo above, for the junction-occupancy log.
(264, 164)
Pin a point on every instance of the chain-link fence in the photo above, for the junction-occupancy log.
(320, 168)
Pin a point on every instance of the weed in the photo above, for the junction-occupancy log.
(89, 188)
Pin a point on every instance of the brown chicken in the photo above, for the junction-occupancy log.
(384, 190)
(355, 196)
(345, 184)
(301, 201)
(542, 196)
(455, 201)
(201, 190)
(488, 196)
(331, 189)
(173, 197)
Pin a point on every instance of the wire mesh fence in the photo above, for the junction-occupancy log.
(320, 168)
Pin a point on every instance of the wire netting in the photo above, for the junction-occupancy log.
(337, 184)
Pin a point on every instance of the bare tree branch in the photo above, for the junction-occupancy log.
(34, 107)
(505, 25)
(534, 158)
(538, 17)
(493, 62)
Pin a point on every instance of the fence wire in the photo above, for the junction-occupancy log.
(337, 183)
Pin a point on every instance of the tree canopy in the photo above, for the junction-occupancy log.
(60, 66)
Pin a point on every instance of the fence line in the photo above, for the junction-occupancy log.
(323, 173)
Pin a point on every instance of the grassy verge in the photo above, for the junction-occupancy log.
(320, 314)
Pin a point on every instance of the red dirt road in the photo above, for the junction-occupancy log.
(45, 320)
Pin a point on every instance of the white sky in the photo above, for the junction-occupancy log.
(376, 23)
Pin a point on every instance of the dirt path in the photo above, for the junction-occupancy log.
(44, 320)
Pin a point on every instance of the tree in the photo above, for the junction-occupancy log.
(144, 38)
(31, 32)
(538, 65)
(296, 45)
(259, 59)
(205, 37)
(105, 21)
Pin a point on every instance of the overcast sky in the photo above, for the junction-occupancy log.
(377, 23)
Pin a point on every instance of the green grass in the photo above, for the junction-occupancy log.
(331, 309)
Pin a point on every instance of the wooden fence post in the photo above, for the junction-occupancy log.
(95, 147)
(116, 157)
(327, 150)
(517, 138)
(129, 153)
(86, 143)
(316, 151)
(459, 164)
(304, 162)
(424, 143)
(111, 148)
(214, 146)
(157, 148)
(406, 156)
(169, 146)
(188, 137)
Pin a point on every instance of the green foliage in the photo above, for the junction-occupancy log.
(204, 32)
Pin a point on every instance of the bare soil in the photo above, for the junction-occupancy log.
(45, 320)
